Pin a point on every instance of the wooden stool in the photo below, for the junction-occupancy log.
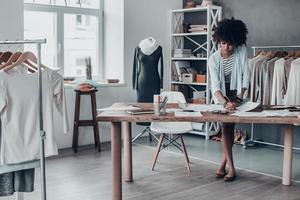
(92, 122)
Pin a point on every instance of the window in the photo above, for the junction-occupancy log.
(72, 30)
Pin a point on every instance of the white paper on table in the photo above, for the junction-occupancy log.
(267, 113)
(121, 108)
(248, 114)
(204, 107)
(247, 106)
(188, 114)
(172, 110)
(280, 113)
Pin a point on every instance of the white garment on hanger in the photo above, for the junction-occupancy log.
(148, 45)
(20, 139)
(293, 90)
(277, 86)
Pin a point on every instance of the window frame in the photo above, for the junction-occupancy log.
(60, 11)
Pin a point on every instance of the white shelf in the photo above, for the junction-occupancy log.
(186, 10)
(174, 58)
(189, 34)
(182, 83)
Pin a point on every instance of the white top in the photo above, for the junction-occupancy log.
(277, 97)
(20, 138)
(293, 89)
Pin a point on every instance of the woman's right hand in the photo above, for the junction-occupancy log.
(230, 106)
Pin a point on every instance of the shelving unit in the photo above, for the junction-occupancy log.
(199, 42)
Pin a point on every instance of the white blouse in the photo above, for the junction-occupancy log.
(20, 135)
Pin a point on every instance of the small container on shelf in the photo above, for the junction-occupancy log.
(199, 100)
(187, 78)
(201, 78)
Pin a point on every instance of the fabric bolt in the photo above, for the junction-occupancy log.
(278, 82)
(293, 90)
(269, 81)
(19, 181)
(239, 74)
(19, 115)
(287, 68)
(228, 64)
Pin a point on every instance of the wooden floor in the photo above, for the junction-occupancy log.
(87, 176)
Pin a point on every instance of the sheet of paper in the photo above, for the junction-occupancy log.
(247, 106)
(205, 107)
(248, 114)
(121, 108)
(267, 113)
(280, 113)
(188, 114)
(172, 110)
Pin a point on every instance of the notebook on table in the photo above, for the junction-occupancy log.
(140, 111)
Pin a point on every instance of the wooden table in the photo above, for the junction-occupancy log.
(126, 119)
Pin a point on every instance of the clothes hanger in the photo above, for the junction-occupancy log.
(290, 54)
(262, 53)
(24, 58)
(13, 58)
(269, 54)
(5, 56)
(297, 54)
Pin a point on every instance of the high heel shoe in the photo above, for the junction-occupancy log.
(220, 174)
(229, 178)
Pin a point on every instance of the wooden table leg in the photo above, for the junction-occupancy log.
(287, 155)
(116, 160)
(127, 151)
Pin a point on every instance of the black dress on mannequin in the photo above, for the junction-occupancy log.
(146, 78)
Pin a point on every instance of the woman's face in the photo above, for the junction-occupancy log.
(226, 49)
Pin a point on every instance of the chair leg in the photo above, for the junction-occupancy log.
(185, 154)
(139, 135)
(157, 150)
(150, 138)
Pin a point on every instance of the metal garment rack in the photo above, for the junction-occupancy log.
(252, 140)
(40, 91)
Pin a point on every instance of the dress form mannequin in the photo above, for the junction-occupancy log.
(146, 78)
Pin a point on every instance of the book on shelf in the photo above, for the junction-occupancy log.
(198, 25)
(174, 73)
(183, 50)
(182, 55)
(193, 30)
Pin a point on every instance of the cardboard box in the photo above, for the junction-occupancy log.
(199, 100)
(201, 78)
(187, 78)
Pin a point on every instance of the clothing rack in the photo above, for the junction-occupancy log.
(40, 92)
(252, 140)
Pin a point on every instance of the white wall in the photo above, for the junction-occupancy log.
(11, 23)
(113, 39)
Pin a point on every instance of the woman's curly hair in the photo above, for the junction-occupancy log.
(232, 31)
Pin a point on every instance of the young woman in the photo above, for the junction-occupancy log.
(228, 68)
